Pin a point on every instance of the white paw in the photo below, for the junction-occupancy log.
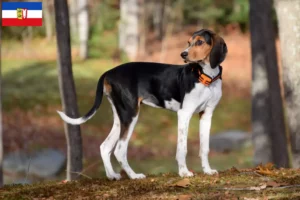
(114, 176)
(210, 171)
(186, 173)
(138, 176)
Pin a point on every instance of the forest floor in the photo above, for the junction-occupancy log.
(262, 182)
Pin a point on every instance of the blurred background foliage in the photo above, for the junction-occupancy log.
(105, 14)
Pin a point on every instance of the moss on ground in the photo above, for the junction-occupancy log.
(230, 184)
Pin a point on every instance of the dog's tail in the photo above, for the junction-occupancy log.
(92, 112)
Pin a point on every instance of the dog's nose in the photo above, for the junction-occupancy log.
(184, 54)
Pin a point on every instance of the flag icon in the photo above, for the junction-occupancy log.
(22, 14)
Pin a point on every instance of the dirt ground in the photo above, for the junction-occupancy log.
(262, 182)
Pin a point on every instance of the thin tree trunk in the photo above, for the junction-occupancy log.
(288, 12)
(158, 19)
(1, 136)
(269, 137)
(67, 88)
(143, 25)
(168, 22)
(73, 20)
(48, 20)
(128, 27)
(83, 28)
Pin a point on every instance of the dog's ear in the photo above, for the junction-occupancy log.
(218, 52)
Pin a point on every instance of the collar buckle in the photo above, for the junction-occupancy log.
(206, 79)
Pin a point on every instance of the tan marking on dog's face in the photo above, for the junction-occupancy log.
(107, 86)
(198, 51)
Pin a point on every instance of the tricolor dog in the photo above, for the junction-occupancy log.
(195, 87)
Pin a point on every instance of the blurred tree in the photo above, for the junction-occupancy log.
(268, 126)
(73, 19)
(128, 27)
(143, 25)
(1, 137)
(67, 88)
(47, 20)
(204, 13)
(288, 13)
(83, 28)
(240, 14)
(158, 15)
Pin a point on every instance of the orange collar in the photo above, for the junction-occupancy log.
(207, 80)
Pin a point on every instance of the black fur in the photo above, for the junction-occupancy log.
(133, 82)
(154, 82)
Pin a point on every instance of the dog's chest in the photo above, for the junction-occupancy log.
(200, 96)
(197, 99)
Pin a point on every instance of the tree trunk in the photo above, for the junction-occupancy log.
(128, 27)
(83, 28)
(269, 137)
(73, 20)
(1, 137)
(158, 17)
(143, 27)
(47, 20)
(288, 13)
(67, 88)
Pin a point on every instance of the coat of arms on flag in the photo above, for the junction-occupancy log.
(22, 14)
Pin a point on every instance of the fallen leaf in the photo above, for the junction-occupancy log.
(269, 166)
(182, 183)
(265, 170)
(184, 197)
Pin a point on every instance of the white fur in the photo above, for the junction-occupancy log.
(172, 105)
(201, 98)
(107, 146)
(121, 152)
(149, 103)
(76, 121)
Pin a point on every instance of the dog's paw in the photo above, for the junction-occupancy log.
(186, 173)
(114, 176)
(138, 176)
(210, 171)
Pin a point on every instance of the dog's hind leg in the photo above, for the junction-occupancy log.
(122, 146)
(107, 146)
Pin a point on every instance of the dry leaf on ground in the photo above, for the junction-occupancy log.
(265, 169)
(182, 183)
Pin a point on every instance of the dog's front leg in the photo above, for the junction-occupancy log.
(205, 124)
(183, 124)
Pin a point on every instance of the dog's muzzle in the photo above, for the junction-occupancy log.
(184, 54)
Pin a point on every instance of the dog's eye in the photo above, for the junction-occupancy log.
(199, 42)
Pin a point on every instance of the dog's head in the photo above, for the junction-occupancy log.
(205, 46)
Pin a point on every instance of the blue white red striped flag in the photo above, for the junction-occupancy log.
(22, 14)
